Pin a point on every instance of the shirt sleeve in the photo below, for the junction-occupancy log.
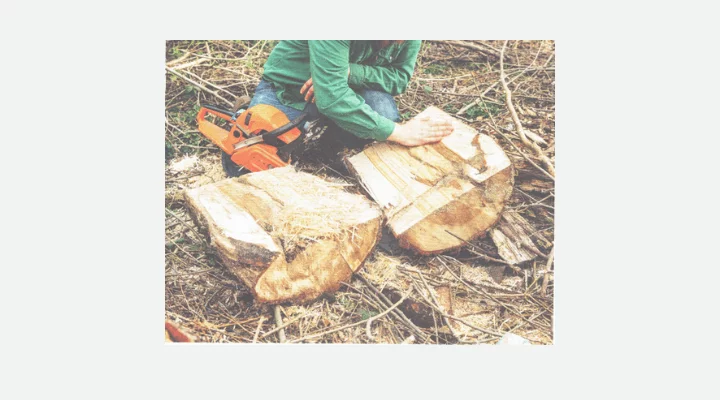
(391, 79)
(329, 63)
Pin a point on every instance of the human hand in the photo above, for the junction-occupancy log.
(420, 131)
(308, 90)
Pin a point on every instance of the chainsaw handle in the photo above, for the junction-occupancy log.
(221, 137)
(205, 110)
(292, 124)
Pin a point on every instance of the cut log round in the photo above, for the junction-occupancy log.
(287, 235)
(436, 197)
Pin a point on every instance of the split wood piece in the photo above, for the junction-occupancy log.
(512, 238)
(288, 235)
(459, 184)
(535, 185)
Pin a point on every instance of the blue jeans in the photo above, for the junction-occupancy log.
(381, 102)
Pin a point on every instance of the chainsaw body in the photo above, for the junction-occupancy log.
(257, 138)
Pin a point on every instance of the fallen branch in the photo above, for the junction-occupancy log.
(534, 137)
(199, 86)
(497, 129)
(283, 326)
(195, 62)
(543, 290)
(518, 126)
(177, 60)
(208, 83)
(278, 322)
(257, 330)
(483, 49)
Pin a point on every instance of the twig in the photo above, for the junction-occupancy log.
(494, 126)
(480, 255)
(524, 155)
(177, 60)
(200, 86)
(380, 305)
(257, 330)
(283, 326)
(197, 61)
(202, 239)
(435, 304)
(482, 96)
(368, 330)
(536, 201)
(180, 178)
(183, 144)
(446, 315)
(219, 58)
(486, 50)
(209, 83)
(516, 120)
(487, 295)
(443, 79)
(186, 253)
(355, 323)
(278, 322)
(398, 313)
(487, 46)
(543, 290)
(189, 273)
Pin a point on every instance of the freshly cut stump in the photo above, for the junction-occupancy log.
(288, 235)
(437, 196)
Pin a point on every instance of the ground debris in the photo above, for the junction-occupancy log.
(212, 305)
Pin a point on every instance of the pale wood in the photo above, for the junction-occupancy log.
(512, 237)
(241, 219)
(458, 185)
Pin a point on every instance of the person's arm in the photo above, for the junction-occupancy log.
(336, 100)
(391, 79)
(329, 63)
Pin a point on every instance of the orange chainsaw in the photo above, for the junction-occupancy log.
(259, 138)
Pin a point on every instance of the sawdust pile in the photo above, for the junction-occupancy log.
(312, 208)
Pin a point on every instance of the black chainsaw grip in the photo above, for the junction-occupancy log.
(271, 137)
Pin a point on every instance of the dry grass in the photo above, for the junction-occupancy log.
(463, 298)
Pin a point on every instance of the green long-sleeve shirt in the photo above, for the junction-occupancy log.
(293, 62)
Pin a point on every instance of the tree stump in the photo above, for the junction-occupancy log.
(435, 197)
(288, 235)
